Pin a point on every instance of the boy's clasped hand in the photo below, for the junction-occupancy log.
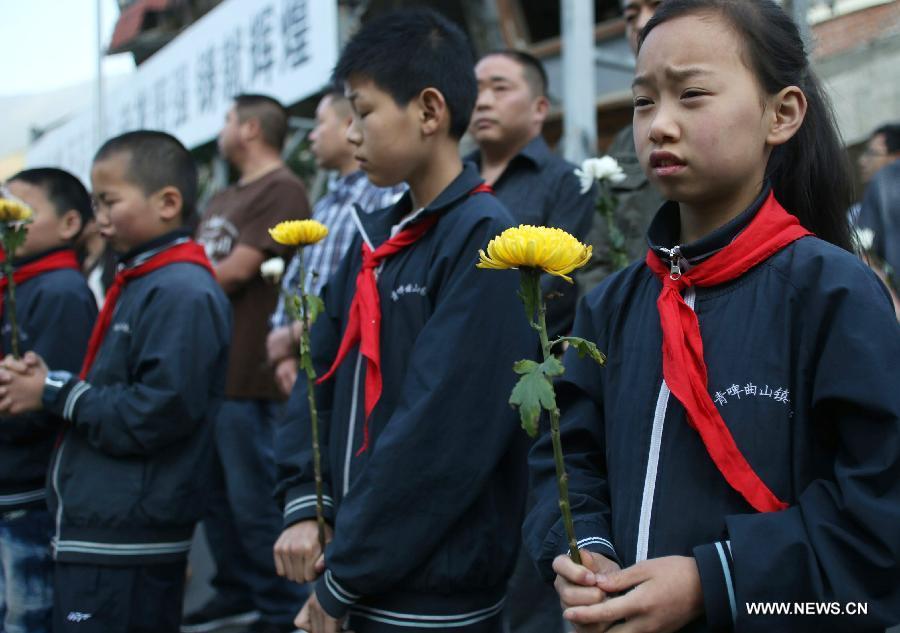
(22, 384)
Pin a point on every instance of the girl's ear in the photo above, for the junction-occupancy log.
(788, 109)
(433, 110)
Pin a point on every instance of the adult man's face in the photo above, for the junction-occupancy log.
(507, 111)
(637, 13)
(875, 157)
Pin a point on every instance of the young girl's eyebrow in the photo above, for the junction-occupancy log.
(675, 74)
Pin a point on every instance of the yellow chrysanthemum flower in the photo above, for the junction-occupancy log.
(12, 211)
(298, 232)
(552, 250)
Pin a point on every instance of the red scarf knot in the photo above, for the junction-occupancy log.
(189, 252)
(684, 368)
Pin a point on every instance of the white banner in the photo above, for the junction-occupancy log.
(282, 48)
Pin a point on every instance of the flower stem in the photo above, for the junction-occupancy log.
(305, 348)
(562, 479)
(13, 322)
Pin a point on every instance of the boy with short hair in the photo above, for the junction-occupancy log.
(128, 479)
(55, 312)
(423, 457)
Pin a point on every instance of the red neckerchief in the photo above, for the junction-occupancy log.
(58, 260)
(187, 252)
(364, 319)
(684, 369)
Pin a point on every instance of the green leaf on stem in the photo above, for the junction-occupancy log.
(534, 391)
(584, 348)
(316, 307)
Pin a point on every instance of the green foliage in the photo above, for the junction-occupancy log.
(584, 348)
(534, 391)
(316, 307)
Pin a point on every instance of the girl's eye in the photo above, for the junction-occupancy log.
(691, 94)
(640, 102)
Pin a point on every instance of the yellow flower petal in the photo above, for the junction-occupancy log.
(298, 232)
(12, 211)
(552, 250)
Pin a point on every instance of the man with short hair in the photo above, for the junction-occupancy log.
(242, 520)
(638, 200)
(537, 186)
(880, 208)
(348, 188)
(540, 188)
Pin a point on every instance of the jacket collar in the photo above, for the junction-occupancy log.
(376, 227)
(145, 251)
(536, 153)
(21, 261)
(664, 231)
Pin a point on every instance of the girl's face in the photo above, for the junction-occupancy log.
(700, 120)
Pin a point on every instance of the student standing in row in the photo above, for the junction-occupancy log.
(128, 480)
(55, 313)
(742, 445)
(424, 466)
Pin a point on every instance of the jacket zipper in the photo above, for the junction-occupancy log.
(59, 499)
(659, 418)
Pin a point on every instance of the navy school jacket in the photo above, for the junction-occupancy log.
(127, 484)
(56, 312)
(427, 520)
(802, 363)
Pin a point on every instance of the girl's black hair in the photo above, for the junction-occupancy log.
(810, 174)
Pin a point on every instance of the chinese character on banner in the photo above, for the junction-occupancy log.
(734, 391)
(749, 389)
(260, 44)
(206, 80)
(159, 103)
(180, 95)
(294, 28)
(720, 398)
(231, 59)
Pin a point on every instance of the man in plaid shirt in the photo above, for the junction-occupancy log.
(348, 188)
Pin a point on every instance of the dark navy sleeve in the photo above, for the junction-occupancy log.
(579, 396)
(296, 489)
(59, 318)
(447, 434)
(573, 212)
(839, 542)
(179, 349)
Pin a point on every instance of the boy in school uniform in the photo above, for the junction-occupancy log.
(127, 481)
(55, 313)
(424, 481)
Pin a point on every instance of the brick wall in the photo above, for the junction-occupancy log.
(850, 31)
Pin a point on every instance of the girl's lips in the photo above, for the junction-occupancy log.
(666, 163)
(668, 170)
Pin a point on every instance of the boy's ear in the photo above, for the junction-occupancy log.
(70, 225)
(788, 108)
(169, 203)
(433, 111)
